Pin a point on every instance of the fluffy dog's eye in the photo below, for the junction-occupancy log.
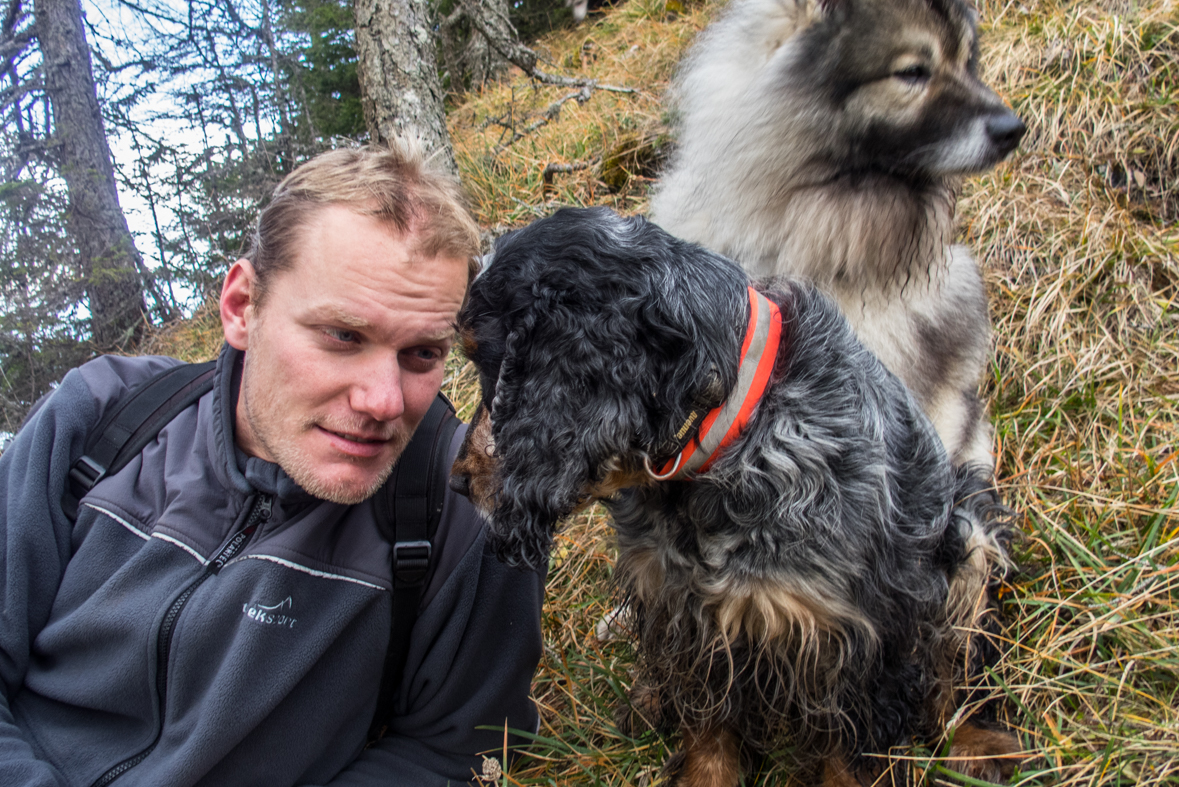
(914, 74)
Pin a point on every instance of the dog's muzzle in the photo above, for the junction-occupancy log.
(460, 484)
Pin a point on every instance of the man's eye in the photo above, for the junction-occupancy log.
(340, 335)
(421, 358)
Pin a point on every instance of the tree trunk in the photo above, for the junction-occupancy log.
(398, 68)
(467, 56)
(109, 260)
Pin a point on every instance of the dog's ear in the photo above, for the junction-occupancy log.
(831, 8)
(558, 426)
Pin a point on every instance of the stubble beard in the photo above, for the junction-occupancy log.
(268, 430)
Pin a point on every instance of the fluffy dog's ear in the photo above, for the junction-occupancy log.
(555, 429)
(829, 8)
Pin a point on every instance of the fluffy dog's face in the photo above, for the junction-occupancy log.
(894, 84)
(590, 355)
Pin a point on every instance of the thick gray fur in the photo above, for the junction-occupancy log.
(825, 140)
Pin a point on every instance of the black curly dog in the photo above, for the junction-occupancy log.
(818, 583)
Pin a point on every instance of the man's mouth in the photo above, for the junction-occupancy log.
(357, 445)
(359, 438)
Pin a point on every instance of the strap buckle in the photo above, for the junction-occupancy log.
(86, 473)
(411, 560)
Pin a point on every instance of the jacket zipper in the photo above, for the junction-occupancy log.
(259, 512)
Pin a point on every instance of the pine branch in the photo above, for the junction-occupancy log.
(11, 96)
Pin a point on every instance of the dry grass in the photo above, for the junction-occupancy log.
(1077, 234)
(1078, 238)
(193, 340)
(635, 47)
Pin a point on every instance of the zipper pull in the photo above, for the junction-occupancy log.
(260, 509)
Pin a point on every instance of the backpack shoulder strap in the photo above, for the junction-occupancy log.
(408, 508)
(133, 423)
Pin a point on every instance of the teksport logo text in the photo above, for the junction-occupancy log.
(272, 615)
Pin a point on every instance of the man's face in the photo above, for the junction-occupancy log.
(345, 353)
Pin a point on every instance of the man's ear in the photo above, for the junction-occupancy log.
(237, 300)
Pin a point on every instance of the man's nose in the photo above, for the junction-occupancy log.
(377, 392)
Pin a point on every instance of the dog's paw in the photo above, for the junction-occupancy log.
(987, 755)
(614, 625)
(708, 758)
(838, 773)
(625, 720)
(672, 770)
(640, 713)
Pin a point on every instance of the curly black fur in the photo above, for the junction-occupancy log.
(801, 591)
(580, 365)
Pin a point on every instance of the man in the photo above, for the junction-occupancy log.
(219, 612)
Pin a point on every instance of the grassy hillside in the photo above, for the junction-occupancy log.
(1078, 238)
(1077, 235)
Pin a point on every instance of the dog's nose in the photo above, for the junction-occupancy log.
(460, 483)
(1005, 131)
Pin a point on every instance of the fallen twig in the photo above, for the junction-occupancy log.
(551, 112)
(553, 168)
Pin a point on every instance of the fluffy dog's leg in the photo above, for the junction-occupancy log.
(710, 758)
(986, 531)
(978, 751)
(615, 624)
(838, 773)
(989, 755)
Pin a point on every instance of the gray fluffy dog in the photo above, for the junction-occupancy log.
(815, 585)
(826, 140)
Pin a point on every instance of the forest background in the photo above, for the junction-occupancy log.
(207, 105)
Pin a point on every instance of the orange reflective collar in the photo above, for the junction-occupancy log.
(722, 425)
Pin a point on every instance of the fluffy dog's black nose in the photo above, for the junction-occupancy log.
(1005, 131)
(461, 484)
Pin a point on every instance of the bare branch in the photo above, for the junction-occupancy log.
(12, 13)
(498, 30)
(553, 169)
(11, 46)
(11, 95)
(153, 12)
(551, 113)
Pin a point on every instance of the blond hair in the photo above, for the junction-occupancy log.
(394, 183)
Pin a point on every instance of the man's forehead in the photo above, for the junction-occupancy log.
(326, 222)
(328, 217)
